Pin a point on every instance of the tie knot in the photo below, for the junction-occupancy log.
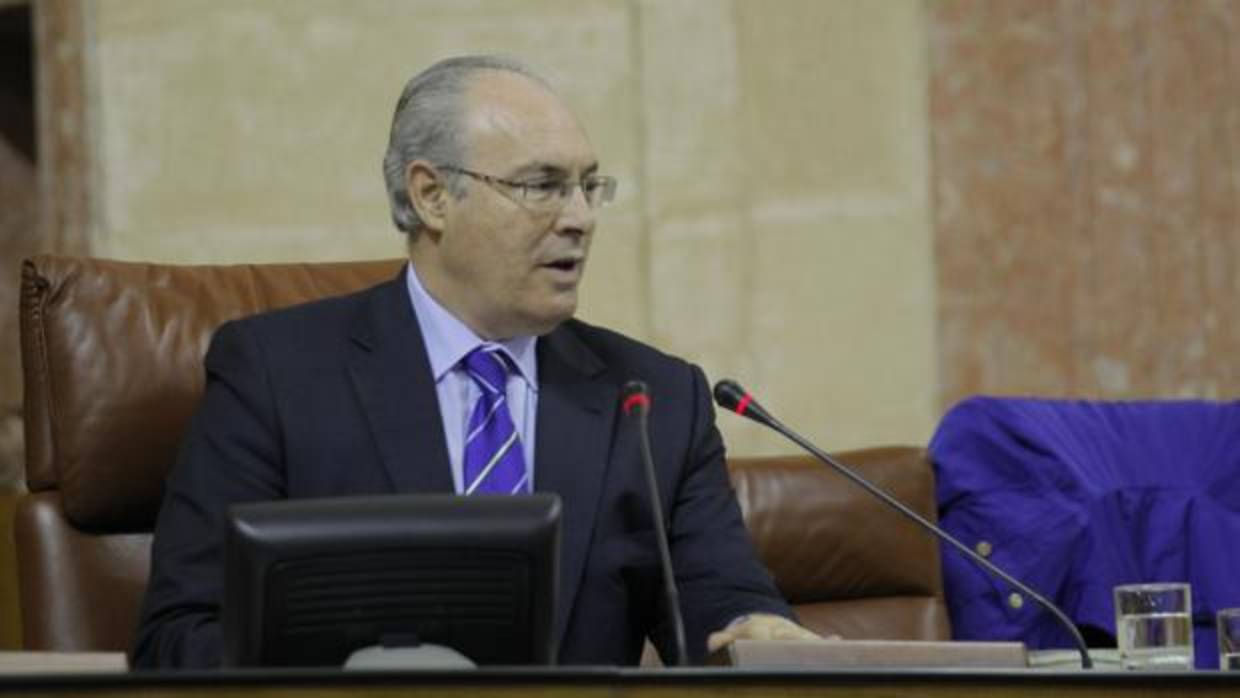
(487, 366)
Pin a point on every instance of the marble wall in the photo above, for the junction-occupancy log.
(1086, 172)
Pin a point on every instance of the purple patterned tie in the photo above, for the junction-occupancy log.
(494, 461)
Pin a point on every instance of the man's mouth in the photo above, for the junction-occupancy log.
(566, 264)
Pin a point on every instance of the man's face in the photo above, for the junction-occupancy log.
(504, 267)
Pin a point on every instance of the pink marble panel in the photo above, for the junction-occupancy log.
(1085, 180)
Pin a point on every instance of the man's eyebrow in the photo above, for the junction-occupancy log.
(549, 170)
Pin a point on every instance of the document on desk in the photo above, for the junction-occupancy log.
(860, 654)
(1060, 660)
(21, 662)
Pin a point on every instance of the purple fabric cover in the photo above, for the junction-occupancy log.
(1076, 497)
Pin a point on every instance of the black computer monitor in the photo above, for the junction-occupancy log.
(307, 582)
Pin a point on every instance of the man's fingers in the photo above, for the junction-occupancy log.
(719, 639)
(760, 626)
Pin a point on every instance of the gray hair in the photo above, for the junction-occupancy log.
(427, 126)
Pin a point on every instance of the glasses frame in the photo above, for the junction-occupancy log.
(606, 182)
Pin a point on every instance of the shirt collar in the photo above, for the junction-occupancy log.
(448, 340)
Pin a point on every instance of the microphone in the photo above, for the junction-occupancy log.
(731, 396)
(635, 402)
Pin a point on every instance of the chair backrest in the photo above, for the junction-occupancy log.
(112, 361)
(112, 355)
(847, 563)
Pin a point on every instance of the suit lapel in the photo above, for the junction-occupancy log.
(392, 376)
(576, 410)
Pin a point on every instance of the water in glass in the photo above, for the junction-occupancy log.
(1156, 641)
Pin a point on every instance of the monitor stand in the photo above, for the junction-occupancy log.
(422, 656)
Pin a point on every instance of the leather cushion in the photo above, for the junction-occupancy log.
(112, 355)
(79, 592)
(825, 538)
(879, 618)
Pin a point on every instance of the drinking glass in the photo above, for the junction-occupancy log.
(1154, 626)
(1229, 639)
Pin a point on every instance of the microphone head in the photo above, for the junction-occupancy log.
(732, 397)
(634, 397)
(728, 394)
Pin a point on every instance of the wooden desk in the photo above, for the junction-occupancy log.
(631, 683)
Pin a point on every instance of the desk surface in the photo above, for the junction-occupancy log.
(632, 683)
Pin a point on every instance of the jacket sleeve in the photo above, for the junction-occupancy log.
(719, 576)
(231, 453)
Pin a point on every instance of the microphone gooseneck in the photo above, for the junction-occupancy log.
(635, 402)
(731, 396)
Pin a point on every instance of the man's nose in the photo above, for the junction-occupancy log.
(578, 215)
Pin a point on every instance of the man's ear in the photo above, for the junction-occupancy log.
(428, 193)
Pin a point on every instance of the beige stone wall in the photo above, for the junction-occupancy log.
(773, 222)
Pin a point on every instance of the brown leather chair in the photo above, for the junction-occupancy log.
(848, 564)
(112, 360)
(112, 355)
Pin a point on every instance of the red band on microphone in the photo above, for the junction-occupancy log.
(635, 399)
(744, 404)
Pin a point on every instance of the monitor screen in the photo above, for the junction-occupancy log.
(307, 582)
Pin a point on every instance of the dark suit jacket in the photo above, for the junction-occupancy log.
(336, 397)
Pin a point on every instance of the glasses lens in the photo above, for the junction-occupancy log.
(599, 189)
(552, 194)
(542, 193)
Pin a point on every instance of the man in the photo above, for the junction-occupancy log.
(467, 374)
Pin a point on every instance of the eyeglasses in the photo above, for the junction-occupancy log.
(548, 194)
